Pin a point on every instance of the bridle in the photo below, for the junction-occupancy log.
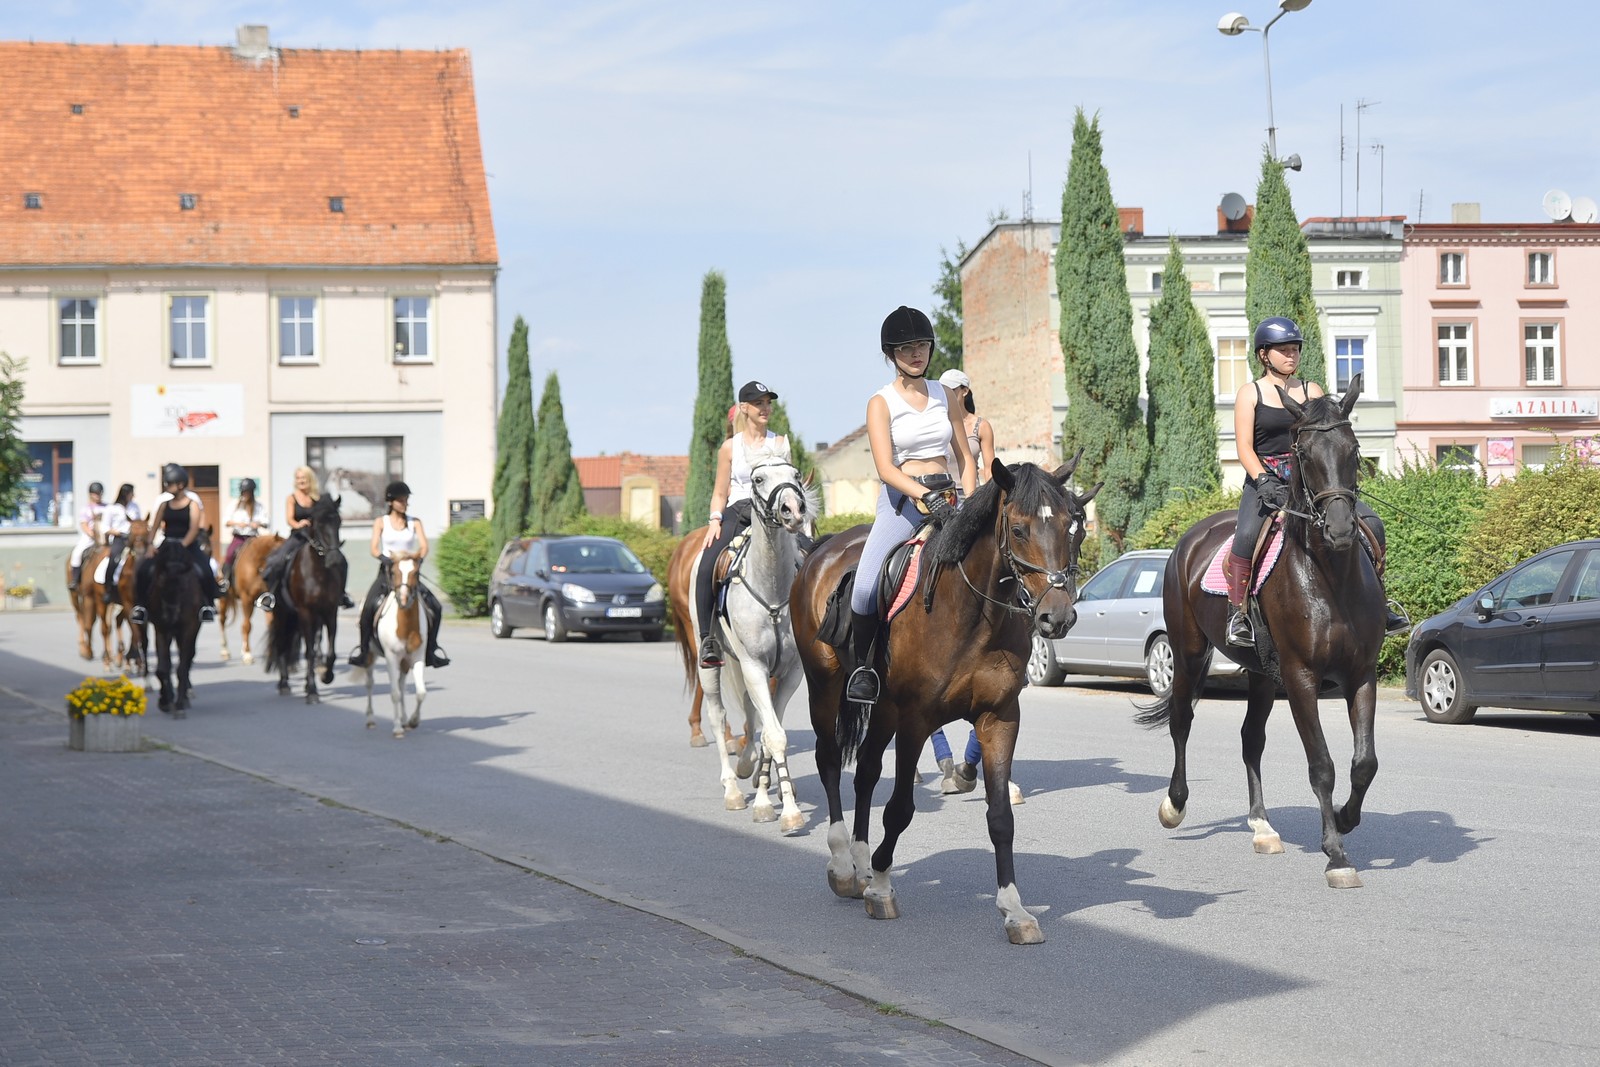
(1317, 502)
(766, 508)
(328, 553)
(1062, 578)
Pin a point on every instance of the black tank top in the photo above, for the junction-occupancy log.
(175, 521)
(1272, 436)
(301, 512)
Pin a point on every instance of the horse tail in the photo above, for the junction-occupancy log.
(849, 729)
(283, 639)
(1155, 716)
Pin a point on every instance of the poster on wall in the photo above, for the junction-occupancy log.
(187, 411)
(356, 470)
(1502, 452)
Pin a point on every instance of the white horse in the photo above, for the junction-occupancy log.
(762, 665)
(400, 635)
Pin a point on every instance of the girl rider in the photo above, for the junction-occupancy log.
(120, 515)
(395, 531)
(911, 425)
(179, 513)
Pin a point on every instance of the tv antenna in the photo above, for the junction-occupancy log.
(1361, 105)
(1377, 150)
(1027, 194)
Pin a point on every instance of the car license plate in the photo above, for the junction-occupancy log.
(624, 613)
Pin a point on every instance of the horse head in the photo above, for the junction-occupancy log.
(323, 533)
(777, 495)
(139, 538)
(404, 573)
(1327, 463)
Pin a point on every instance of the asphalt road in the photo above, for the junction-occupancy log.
(1473, 940)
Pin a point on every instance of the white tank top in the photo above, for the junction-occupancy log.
(917, 434)
(398, 540)
(742, 463)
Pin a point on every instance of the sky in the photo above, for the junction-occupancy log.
(822, 155)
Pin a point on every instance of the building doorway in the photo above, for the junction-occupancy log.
(203, 480)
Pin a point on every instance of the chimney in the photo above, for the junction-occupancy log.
(1238, 225)
(1130, 220)
(254, 43)
(1468, 212)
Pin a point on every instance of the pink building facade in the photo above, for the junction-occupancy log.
(1501, 345)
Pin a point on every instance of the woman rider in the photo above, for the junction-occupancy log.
(297, 513)
(730, 499)
(248, 519)
(179, 513)
(120, 515)
(88, 532)
(395, 531)
(1262, 430)
(911, 426)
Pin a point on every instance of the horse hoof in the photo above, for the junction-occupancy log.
(846, 885)
(179, 713)
(698, 740)
(400, 735)
(370, 725)
(1024, 931)
(732, 802)
(790, 823)
(882, 905)
(1343, 878)
(283, 688)
(1017, 799)
(1268, 844)
(763, 814)
(744, 768)
(312, 698)
(224, 655)
(1170, 816)
(247, 659)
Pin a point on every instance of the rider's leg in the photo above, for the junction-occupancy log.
(142, 577)
(705, 585)
(1236, 565)
(369, 616)
(113, 568)
(209, 592)
(275, 568)
(1395, 619)
(435, 656)
(890, 527)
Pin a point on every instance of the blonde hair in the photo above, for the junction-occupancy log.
(313, 487)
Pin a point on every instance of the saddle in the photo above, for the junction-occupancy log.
(1265, 552)
(897, 583)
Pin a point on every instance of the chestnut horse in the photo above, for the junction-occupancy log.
(240, 599)
(680, 594)
(313, 587)
(90, 606)
(1323, 607)
(1006, 565)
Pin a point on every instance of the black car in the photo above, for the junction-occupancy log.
(587, 585)
(1529, 639)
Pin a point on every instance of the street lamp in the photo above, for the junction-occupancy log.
(1233, 24)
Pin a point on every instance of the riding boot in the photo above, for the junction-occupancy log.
(433, 656)
(369, 622)
(1395, 619)
(72, 579)
(1237, 573)
(142, 577)
(710, 651)
(863, 686)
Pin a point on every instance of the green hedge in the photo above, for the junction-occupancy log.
(832, 524)
(1536, 510)
(653, 546)
(1169, 522)
(465, 555)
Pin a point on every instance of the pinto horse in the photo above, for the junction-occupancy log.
(400, 635)
(957, 652)
(174, 607)
(246, 585)
(313, 587)
(1323, 607)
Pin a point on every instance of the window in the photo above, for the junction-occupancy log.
(1107, 584)
(1587, 587)
(412, 340)
(1349, 360)
(78, 329)
(1233, 365)
(1456, 457)
(1452, 268)
(1535, 585)
(46, 487)
(1455, 353)
(1539, 353)
(1155, 281)
(1535, 457)
(297, 329)
(32, 201)
(1230, 281)
(1541, 268)
(190, 327)
(1350, 279)
(356, 470)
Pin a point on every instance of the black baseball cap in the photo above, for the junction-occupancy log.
(752, 391)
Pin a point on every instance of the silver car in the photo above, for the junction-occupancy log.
(1121, 629)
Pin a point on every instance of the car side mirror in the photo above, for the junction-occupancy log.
(1485, 606)
(540, 573)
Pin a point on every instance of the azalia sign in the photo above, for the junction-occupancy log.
(1535, 406)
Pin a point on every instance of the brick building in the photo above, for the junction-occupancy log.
(645, 489)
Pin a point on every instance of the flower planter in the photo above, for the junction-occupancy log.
(18, 603)
(105, 733)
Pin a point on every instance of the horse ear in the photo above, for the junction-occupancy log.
(1063, 472)
(1002, 475)
(1084, 498)
(1349, 401)
(1290, 404)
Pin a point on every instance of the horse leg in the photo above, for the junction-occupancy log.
(897, 813)
(247, 610)
(774, 742)
(1180, 703)
(312, 636)
(1253, 734)
(792, 818)
(1303, 699)
(824, 696)
(420, 683)
(180, 703)
(711, 685)
(697, 737)
(358, 673)
(164, 668)
(998, 736)
(327, 664)
(1362, 705)
(397, 698)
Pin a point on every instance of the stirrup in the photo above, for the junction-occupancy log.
(1396, 621)
(1240, 633)
(863, 687)
(138, 615)
(345, 601)
(710, 652)
(267, 602)
(208, 613)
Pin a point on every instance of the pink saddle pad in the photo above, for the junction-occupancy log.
(1215, 583)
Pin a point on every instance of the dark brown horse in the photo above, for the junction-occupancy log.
(174, 605)
(1323, 608)
(1005, 565)
(313, 587)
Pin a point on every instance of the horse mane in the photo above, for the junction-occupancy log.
(1032, 489)
(1320, 411)
(325, 507)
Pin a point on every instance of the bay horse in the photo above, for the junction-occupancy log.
(175, 597)
(89, 608)
(957, 652)
(762, 667)
(313, 587)
(400, 635)
(680, 596)
(1323, 607)
(243, 588)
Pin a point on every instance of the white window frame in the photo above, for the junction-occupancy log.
(1470, 446)
(1156, 280)
(1217, 360)
(316, 328)
(1466, 346)
(98, 326)
(1526, 464)
(1546, 345)
(1239, 270)
(1368, 361)
(1548, 258)
(208, 328)
(1342, 278)
(431, 355)
(1456, 279)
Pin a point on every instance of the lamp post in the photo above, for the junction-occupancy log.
(1233, 24)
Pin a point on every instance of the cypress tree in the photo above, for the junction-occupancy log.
(15, 462)
(513, 464)
(557, 495)
(712, 402)
(803, 461)
(1278, 271)
(1101, 362)
(947, 345)
(1183, 411)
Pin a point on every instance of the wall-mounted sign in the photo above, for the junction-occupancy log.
(187, 411)
(1542, 406)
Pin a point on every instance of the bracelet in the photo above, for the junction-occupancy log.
(716, 516)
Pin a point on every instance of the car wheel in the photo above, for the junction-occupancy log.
(555, 628)
(497, 620)
(1444, 691)
(1042, 666)
(651, 635)
(1158, 666)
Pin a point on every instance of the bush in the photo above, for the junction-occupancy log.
(653, 546)
(832, 524)
(1534, 511)
(466, 555)
(1171, 520)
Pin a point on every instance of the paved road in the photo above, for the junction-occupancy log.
(1473, 941)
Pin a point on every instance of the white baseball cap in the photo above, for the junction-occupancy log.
(953, 379)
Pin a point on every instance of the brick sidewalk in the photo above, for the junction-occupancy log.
(159, 909)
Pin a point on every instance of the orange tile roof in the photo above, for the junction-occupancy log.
(395, 133)
(670, 472)
(599, 472)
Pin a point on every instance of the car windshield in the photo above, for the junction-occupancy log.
(593, 557)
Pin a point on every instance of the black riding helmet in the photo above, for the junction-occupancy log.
(396, 491)
(903, 326)
(247, 485)
(1277, 330)
(173, 474)
(97, 489)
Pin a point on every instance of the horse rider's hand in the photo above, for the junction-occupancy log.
(713, 531)
(939, 509)
(1272, 491)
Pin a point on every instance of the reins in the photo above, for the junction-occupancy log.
(766, 509)
(1063, 578)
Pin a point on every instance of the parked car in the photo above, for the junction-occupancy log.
(587, 585)
(1530, 639)
(1121, 629)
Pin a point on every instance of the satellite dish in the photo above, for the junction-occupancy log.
(1584, 209)
(1233, 207)
(1557, 204)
